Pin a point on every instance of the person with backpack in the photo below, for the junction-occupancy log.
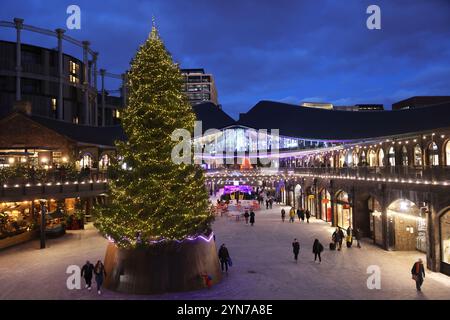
(296, 249)
(317, 250)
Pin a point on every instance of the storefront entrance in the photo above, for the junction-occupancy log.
(325, 205)
(407, 226)
(376, 229)
(343, 210)
(444, 226)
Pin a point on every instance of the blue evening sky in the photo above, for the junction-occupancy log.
(289, 51)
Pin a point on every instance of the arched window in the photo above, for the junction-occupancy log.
(104, 162)
(381, 158)
(363, 158)
(404, 156)
(447, 153)
(86, 161)
(355, 158)
(342, 157)
(433, 154)
(349, 159)
(391, 156)
(372, 158)
(417, 155)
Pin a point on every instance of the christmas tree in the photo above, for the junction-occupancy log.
(152, 198)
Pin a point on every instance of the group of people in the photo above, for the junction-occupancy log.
(316, 250)
(338, 238)
(301, 214)
(98, 270)
(249, 216)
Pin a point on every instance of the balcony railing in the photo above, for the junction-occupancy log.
(394, 173)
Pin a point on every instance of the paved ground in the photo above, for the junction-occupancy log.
(263, 266)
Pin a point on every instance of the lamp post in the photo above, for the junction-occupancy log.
(43, 222)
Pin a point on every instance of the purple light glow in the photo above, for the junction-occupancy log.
(242, 189)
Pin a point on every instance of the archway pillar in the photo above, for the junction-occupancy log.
(384, 217)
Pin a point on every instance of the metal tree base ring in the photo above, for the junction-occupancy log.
(163, 267)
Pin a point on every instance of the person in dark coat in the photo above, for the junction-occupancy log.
(267, 204)
(283, 214)
(246, 215)
(299, 214)
(87, 272)
(317, 250)
(418, 273)
(252, 217)
(100, 274)
(296, 249)
(338, 237)
(307, 215)
(224, 256)
(357, 235)
(302, 215)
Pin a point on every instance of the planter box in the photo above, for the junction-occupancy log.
(163, 267)
(21, 238)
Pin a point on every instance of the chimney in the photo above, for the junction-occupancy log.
(22, 107)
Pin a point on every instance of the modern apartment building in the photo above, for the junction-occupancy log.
(199, 86)
(54, 84)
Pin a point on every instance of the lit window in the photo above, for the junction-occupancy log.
(53, 104)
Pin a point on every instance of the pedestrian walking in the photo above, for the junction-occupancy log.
(270, 202)
(283, 214)
(224, 257)
(308, 215)
(338, 237)
(86, 272)
(296, 249)
(267, 204)
(252, 218)
(246, 216)
(418, 273)
(302, 215)
(317, 250)
(291, 215)
(357, 235)
(100, 274)
(299, 214)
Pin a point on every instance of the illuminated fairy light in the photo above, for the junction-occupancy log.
(199, 237)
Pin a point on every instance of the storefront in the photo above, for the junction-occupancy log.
(343, 210)
(298, 196)
(311, 201)
(376, 226)
(407, 226)
(325, 205)
(444, 226)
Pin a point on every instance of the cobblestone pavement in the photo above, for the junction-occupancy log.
(263, 266)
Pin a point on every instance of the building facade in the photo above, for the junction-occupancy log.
(199, 86)
(419, 101)
(58, 85)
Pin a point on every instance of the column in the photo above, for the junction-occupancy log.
(94, 58)
(86, 119)
(60, 112)
(19, 25)
(102, 74)
(384, 219)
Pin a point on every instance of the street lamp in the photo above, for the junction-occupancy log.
(43, 222)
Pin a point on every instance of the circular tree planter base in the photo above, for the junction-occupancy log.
(163, 267)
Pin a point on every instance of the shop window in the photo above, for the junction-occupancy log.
(363, 158)
(417, 155)
(344, 210)
(445, 237)
(433, 154)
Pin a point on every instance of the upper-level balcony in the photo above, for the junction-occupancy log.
(432, 175)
